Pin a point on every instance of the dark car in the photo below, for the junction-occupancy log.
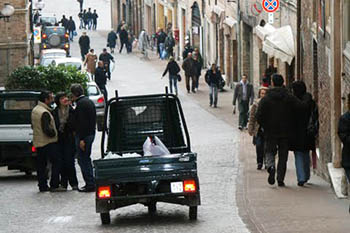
(55, 37)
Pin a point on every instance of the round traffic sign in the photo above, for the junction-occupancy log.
(36, 32)
(270, 5)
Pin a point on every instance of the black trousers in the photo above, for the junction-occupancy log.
(122, 46)
(68, 172)
(46, 153)
(274, 145)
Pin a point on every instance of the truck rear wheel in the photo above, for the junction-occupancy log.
(105, 218)
(152, 208)
(193, 212)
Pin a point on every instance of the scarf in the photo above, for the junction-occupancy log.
(63, 114)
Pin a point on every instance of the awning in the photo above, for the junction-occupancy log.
(262, 32)
(218, 10)
(229, 21)
(280, 44)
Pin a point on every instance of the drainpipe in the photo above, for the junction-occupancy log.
(239, 48)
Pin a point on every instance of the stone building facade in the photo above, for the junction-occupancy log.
(15, 49)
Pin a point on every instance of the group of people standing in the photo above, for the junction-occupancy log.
(88, 19)
(61, 134)
(69, 26)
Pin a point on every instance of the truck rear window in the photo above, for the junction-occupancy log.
(13, 104)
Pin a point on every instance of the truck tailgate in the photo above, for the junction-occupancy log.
(144, 168)
(16, 133)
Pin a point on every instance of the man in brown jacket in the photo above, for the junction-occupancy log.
(44, 140)
(190, 72)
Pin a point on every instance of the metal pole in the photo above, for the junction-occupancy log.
(239, 39)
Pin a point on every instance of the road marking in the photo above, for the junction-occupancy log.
(60, 219)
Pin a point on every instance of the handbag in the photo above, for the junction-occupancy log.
(75, 33)
(179, 78)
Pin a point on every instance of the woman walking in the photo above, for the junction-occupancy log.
(213, 78)
(256, 131)
(173, 68)
(63, 119)
(90, 62)
(112, 40)
(344, 135)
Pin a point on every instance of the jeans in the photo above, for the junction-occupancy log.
(84, 160)
(81, 23)
(94, 25)
(213, 94)
(260, 149)
(89, 24)
(122, 43)
(161, 49)
(302, 165)
(243, 108)
(188, 78)
(71, 35)
(273, 145)
(173, 82)
(68, 173)
(48, 152)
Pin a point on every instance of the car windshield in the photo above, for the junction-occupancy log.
(55, 54)
(51, 20)
(58, 30)
(92, 90)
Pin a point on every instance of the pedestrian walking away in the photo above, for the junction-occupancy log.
(303, 141)
(71, 28)
(90, 62)
(112, 40)
(45, 141)
(173, 68)
(244, 94)
(94, 20)
(275, 115)
(106, 58)
(190, 72)
(101, 79)
(256, 131)
(344, 135)
(123, 36)
(64, 22)
(63, 115)
(84, 43)
(81, 2)
(84, 122)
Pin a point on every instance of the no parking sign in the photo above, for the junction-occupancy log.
(270, 6)
(37, 35)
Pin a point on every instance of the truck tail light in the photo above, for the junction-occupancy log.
(66, 46)
(190, 186)
(45, 46)
(100, 100)
(44, 36)
(104, 192)
(66, 35)
(33, 149)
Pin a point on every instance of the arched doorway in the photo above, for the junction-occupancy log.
(196, 25)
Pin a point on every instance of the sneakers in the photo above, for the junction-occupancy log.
(271, 178)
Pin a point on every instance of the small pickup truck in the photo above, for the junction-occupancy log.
(146, 180)
(16, 134)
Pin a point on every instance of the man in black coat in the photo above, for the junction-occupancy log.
(275, 115)
(64, 22)
(101, 79)
(84, 43)
(190, 73)
(85, 128)
(344, 135)
(106, 58)
(112, 40)
(244, 93)
(302, 142)
(71, 28)
(123, 36)
(94, 20)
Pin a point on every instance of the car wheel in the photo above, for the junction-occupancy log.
(105, 218)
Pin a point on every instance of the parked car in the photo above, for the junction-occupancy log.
(48, 55)
(55, 37)
(16, 135)
(66, 61)
(95, 94)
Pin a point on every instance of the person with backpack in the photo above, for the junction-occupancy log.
(212, 78)
(173, 68)
(303, 140)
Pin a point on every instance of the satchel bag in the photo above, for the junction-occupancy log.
(179, 78)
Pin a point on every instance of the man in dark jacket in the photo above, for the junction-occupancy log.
(190, 72)
(94, 20)
(161, 37)
(71, 28)
(89, 18)
(213, 78)
(344, 135)
(112, 40)
(302, 141)
(188, 49)
(169, 45)
(64, 22)
(244, 93)
(106, 58)
(124, 39)
(276, 115)
(101, 78)
(84, 43)
(173, 69)
(85, 128)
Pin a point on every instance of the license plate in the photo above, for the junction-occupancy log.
(176, 187)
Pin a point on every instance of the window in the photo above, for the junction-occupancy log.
(92, 90)
(13, 104)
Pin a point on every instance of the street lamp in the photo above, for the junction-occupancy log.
(6, 12)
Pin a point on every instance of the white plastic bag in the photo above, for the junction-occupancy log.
(154, 149)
